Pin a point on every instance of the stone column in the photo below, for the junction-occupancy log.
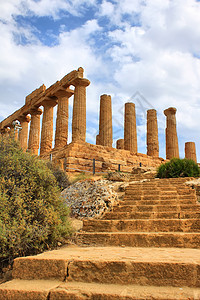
(190, 151)
(105, 121)
(61, 135)
(23, 133)
(79, 108)
(152, 133)
(130, 130)
(47, 127)
(14, 133)
(171, 134)
(34, 133)
(97, 140)
(120, 144)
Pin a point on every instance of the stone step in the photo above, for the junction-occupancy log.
(139, 239)
(150, 215)
(116, 265)
(151, 188)
(157, 208)
(51, 290)
(178, 197)
(152, 197)
(154, 225)
(157, 202)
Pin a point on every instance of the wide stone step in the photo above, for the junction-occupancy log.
(150, 225)
(155, 197)
(160, 196)
(139, 239)
(157, 202)
(50, 290)
(150, 189)
(156, 208)
(114, 265)
(150, 215)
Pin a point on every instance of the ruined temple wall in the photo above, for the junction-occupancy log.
(80, 156)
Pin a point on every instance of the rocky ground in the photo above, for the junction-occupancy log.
(91, 198)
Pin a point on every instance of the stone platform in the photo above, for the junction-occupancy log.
(79, 156)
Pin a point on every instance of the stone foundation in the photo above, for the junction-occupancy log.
(79, 157)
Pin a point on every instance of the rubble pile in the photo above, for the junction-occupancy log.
(90, 199)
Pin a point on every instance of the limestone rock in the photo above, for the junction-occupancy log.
(90, 199)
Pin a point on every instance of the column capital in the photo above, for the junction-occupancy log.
(64, 93)
(81, 82)
(170, 111)
(36, 111)
(24, 119)
(49, 102)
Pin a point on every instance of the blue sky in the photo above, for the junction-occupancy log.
(145, 51)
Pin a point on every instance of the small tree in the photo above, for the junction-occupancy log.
(178, 168)
(33, 216)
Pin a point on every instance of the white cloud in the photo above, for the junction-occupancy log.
(151, 51)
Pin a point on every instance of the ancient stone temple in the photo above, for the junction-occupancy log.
(190, 151)
(172, 149)
(36, 137)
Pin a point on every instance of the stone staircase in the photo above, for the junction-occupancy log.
(147, 247)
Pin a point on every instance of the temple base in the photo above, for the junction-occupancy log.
(78, 157)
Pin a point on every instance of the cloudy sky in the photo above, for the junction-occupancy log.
(144, 51)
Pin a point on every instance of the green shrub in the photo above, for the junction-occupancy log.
(33, 216)
(178, 168)
(61, 176)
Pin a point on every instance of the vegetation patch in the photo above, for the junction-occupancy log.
(33, 215)
(178, 168)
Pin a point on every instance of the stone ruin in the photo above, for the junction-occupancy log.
(79, 155)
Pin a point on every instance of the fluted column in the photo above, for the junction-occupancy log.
(47, 127)
(171, 134)
(130, 130)
(152, 133)
(14, 133)
(105, 121)
(190, 151)
(34, 133)
(120, 144)
(61, 135)
(79, 108)
(97, 140)
(23, 134)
